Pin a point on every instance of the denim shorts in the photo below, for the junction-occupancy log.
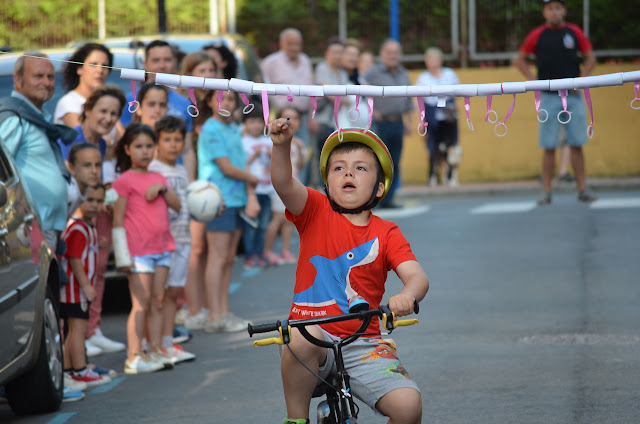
(146, 264)
(228, 222)
(576, 129)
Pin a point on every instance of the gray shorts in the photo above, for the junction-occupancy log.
(373, 367)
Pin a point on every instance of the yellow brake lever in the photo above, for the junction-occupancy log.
(398, 323)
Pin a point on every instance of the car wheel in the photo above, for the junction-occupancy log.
(40, 389)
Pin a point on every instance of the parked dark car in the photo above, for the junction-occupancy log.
(31, 360)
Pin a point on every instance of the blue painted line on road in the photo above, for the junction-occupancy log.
(62, 418)
(104, 388)
(234, 287)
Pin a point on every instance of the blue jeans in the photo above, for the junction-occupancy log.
(391, 133)
(253, 238)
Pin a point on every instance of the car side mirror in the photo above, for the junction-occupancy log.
(4, 197)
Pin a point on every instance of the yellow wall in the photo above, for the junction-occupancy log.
(613, 151)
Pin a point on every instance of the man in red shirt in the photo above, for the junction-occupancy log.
(559, 48)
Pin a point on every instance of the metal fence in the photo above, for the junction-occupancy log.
(468, 31)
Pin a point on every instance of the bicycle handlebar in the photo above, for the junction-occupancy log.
(382, 312)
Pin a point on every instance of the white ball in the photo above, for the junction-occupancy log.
(203, 200)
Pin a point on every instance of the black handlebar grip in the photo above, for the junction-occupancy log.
(262, 328)
(416, 307)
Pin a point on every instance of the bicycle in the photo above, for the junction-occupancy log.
(339, 406)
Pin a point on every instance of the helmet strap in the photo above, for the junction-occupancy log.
(373, 201)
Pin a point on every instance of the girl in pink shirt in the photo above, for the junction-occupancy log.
(141, 221)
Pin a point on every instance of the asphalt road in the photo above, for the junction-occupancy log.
(532, 317)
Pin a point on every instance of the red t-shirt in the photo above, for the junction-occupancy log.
(338, 259)
(82, 243)
(556, 50)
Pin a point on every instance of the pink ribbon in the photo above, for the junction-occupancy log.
(486, 118)
(134, 91)
(506, 118)
(370, 103)
(636, 88)
(563, 98)
(248, 105)
(193, 106)
(336, 109)
(222, 112)
(422, 126)
(587, 96)
(537, 102)
(314, 103)
(265, 111)
(290, 95)
(467, 109)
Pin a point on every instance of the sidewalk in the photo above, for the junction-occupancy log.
(529, 187)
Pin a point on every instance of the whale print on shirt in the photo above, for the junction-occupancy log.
(332, 285)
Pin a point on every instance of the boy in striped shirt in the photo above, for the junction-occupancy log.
(80, 262)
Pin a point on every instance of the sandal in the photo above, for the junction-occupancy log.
(545, 199)
(586, 197)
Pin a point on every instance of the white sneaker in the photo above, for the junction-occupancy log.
(197, 321)
(233, 323)
(178, 354)
(92, 350)
(140, 365)
(181, 316)
(104, 343)
(73, 384)
(91, 378)
(161, 358)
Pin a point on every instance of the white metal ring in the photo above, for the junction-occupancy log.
(224, 112)
(568, 120)
(193, 114)
(470, 125)
(500, 124)
(632, 102)
(422, 129)
(546, 115)
(495, 114)
(248, 108)
(590, 132)
(357, 116)
(132, 103)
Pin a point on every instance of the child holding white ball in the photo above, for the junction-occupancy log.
(222, 161)
(171, 132)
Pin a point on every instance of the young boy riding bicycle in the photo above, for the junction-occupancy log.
(345, 254)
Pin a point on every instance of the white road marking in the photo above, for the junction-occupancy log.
(510, 207)
(401, 213)
(622, 202)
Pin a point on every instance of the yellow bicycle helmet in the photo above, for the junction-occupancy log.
(368, 138)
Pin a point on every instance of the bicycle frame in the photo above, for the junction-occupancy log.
(342, 407)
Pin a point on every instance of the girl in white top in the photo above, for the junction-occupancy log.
(81, 80)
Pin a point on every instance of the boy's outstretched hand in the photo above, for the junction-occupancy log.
(281, 132)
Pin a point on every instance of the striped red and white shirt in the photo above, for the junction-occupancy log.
(82, 243)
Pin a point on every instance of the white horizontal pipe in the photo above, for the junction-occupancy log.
(443, 90)
(585, 82)
(537, 85)
(466, 90)
(170, 80)
(610, 79)
(489, 89)
(394, 91)
(334, 90)
(191, 82)
(371, 90)
(513, 87)
(286, 89)
(418, 91)
(311, 90)
(216, 84)
(258, 88)
(132, 74)
(561, 84)
(633, 76)
(241, 86)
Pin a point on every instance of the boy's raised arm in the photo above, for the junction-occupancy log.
(416, 285)
(292, 192)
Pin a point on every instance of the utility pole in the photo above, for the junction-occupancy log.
(162, 17)
(464, 35)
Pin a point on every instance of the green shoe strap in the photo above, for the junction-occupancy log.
(296, 421)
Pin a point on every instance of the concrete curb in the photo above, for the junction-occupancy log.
(529, 187)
